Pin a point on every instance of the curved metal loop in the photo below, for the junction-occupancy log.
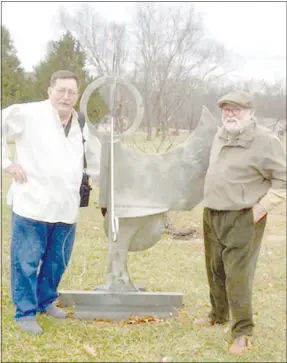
(109, 80)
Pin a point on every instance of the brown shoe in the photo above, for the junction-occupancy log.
(206, 321)
(240, 345)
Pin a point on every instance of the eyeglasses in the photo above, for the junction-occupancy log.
(234, 111)
(62, 92)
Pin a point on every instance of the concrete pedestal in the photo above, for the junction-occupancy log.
(91, 305)
(140, 286)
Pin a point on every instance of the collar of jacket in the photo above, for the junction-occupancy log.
(244, 139)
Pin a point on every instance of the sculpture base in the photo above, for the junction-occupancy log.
(140, 286)
(91, 305)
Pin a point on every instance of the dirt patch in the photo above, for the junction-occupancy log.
(184, 233)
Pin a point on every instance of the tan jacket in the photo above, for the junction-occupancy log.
(248, 169)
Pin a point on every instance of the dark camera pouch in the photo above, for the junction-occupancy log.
(85, 191)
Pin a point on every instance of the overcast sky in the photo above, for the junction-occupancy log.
(254, 30)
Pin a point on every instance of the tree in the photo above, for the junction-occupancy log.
(169, 57)
(106, 47)
(62, 54)
(12, 75)
(174, 57)
(105, 43)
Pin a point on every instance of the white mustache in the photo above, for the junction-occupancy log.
(232, 119)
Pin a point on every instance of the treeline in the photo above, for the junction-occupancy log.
(165, 52)
(19, 86)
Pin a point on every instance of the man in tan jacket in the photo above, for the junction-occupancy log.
(246, 178)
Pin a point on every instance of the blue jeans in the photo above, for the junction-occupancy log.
(40, 253)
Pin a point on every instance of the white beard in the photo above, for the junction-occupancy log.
(233, 126)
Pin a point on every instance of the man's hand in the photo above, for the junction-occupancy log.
(17, 172)
(258, 212)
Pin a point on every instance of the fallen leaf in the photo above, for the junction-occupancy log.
(144, 319)
(102, 320)
(194, 352)
(90, 350)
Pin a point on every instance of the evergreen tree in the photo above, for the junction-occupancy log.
(12, 75)
(62, 54)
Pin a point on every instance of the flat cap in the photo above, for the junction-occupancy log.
(237, 98)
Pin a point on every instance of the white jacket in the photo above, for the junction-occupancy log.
(53, 162)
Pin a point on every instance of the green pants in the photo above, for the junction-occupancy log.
(232, 243)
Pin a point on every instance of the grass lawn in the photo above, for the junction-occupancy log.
(170, 265)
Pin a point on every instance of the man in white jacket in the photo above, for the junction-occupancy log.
(47, 175)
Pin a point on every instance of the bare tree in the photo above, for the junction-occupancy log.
(169, 57)
(172, 54)
(106, 43)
